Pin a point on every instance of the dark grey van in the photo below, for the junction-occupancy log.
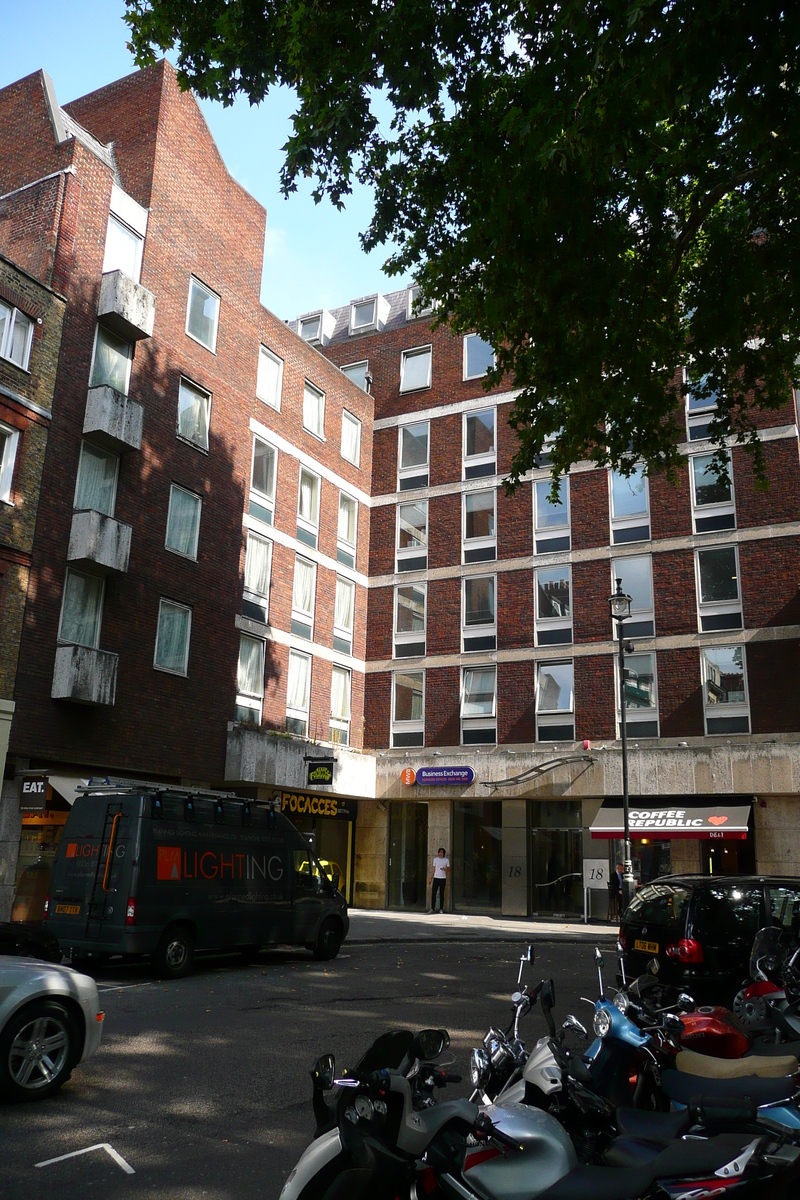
(163, 872)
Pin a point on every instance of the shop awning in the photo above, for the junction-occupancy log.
(67, 785)
(672, 819)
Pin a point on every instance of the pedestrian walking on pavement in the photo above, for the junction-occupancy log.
(440, 869)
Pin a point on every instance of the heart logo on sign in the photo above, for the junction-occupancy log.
(717, 820)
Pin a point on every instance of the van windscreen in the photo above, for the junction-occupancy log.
(659, 904)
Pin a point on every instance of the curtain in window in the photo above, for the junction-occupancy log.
(193, 415)
(351, 430)
(111, 356)
(173, 637)
(312, 410)
(478, 693)
(251, 666)
(340, 694)
(347, 520)
(80, 613)
(268, 384)
(263, 468)
(343, 609)
(182, 522)
(18, 352)
(308, 498)
(303, 590)
(257, 565)
(298, 681)
(97, 480)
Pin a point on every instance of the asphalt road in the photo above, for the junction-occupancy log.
(201, 1085)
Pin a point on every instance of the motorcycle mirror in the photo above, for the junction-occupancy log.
(685, 1001)
(598, 958)
(529, 954)
(323, 1071)
(430, 1043)
(571, 1022)
(673, 1023)
(654, 966)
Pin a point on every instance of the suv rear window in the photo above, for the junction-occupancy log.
(659, 904)
(728, 912)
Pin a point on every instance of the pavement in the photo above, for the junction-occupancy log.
(382, 925)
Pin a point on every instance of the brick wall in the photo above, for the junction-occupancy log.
(595, 716)
(516, 703)
(680, 693)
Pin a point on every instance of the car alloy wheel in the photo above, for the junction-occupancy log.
(38, 1049)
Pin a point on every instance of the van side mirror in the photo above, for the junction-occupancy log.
(323, 1071)
(335, 881)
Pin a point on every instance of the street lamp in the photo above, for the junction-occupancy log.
(620, 605)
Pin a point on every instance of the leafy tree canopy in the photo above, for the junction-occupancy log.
(605, 190)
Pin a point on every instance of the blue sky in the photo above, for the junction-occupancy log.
(313, 257)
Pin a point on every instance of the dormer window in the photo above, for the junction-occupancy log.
(414, 309)
(316, 328)
(310, 328)
(368, 314)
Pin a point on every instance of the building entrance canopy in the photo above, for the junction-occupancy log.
(672, 818)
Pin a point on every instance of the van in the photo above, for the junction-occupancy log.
(143, 869)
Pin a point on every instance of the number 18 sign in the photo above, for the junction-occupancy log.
(595, 873)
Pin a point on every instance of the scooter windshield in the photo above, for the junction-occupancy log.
(387, 1051)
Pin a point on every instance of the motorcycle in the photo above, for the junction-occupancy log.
(768, 1005)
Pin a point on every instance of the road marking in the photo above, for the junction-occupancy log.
(109, 1149)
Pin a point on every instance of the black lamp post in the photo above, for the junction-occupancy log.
(620, 605)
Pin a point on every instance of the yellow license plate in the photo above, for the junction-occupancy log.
(70, 910)
(647, 947)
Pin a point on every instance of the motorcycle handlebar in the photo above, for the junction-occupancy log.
(485, 1127)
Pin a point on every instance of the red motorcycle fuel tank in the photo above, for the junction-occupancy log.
(715, 1031)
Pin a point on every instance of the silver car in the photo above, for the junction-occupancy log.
(50, 1020)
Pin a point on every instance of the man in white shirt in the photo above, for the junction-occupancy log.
(440, 869)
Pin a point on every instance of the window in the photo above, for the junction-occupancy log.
(479, 616)
(257, 574)
(81, 609)
(298, 691)
(479, 706)
(194, 407)
(551, 520)
(308, 508)
(479, 542)
(480, 453)
(478, 356)
(413, 441)
(641, 698)
(96, 485)
(111, 366)
(340, 706)
(408, 708)
(202, 314)
(262, 481)
(415, 306)
(412, 536)
(553, 607)
(718, 589)
(16, 335)
(358, 373)
(343, 613)
(630, 507)
(346, 534)
(636, 574)
(314, 410)
(172, 637)
(415, 369)
(701, 403)
(555, 702)
(712, 495)
(351, 438)
(725, 689)
(784, 906)
(316, 328)
(250, 680)
(9, 441)
(269, 380)
(303, 592)
(364, 315)
(123, 249)
(409, 620)
(183, 521)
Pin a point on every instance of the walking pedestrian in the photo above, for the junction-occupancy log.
(440, 869)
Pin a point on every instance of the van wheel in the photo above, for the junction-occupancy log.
(329, 939)
(38, 1049)
(175, 952)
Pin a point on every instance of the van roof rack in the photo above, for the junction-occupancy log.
(107, 784)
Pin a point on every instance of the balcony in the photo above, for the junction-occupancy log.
(85, 675)
(125, 307)
(99, 543)
(112, 420)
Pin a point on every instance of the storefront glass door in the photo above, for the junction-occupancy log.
(556, 857)
(408, 854)
(477, 854)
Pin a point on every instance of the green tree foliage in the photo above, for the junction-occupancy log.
(605, 190)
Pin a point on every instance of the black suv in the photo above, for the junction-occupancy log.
(701, 928)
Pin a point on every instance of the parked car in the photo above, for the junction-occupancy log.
(29, 941)
(50, 1020)
(701, 928)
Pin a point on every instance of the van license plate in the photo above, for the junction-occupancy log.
(69, 910)
(648, 947)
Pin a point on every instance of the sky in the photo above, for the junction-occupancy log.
(313, 258)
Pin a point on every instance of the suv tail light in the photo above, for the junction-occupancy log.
(622, 939)
(47, 904)
(687, 950)
(130, 911)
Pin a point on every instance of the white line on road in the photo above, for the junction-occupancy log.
(109, 1149)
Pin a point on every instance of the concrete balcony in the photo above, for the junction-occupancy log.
(112, 420)
(85, 675)
(125, 307)
(99, 543)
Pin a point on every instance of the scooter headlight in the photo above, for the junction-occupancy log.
(478, 1068)
(622, 1002)
(602, 1022)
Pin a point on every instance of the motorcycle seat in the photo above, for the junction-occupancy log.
(642, 1123)
(689, 1090)
(677, 1157)
(766, 1067)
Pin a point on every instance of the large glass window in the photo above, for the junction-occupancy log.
(9, 441)
(413, 443)
(479, 629)
(409, 620)
(202, 314)
(96, 485)
(555, 702)
(308, 508)
(298, 692)
(194, 408)
(343, 613)
(701, 402)
(551, 518)
(81, 609)
(123, 249)
(712, 495)
(258, 570)
(408, 708)
(269, 381)
(480, 447)
(303, 594)
(346, 533)
(340, 705)
(358, 373)
(641, 699)
(412, 536)
(480, 528)
(250, 680)
(630, 507)
(262, 482)
(479, 706)
(718, 588)
(415, 369)
(725, 689)
(477, 877)
(172, 637)
(553, 607)
(478, 356)
(183, 521)
(636, 574)
(314, 410)
(111, 366)
(351, 438)
(16, 335)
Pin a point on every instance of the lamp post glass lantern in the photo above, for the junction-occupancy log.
(620, 606)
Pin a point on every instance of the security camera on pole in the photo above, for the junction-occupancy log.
(620, 605)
